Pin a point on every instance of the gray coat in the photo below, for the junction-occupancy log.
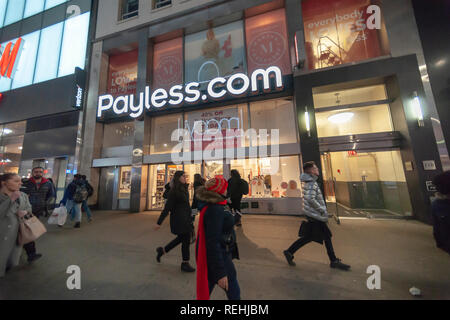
(9, 228)
(313, 202)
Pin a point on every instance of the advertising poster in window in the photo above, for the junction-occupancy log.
(168, 64)
(216, 52)
(122, 76)
(204, 126)
(336, 32)
(267, 44)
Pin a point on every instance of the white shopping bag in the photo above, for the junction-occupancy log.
(58, 216)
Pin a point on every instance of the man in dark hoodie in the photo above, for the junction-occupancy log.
(41, 193)
(441, 211)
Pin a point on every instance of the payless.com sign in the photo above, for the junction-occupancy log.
(10, 56)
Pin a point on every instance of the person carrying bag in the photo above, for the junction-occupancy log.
(30, 229)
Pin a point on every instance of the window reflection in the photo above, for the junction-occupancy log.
(11, 145)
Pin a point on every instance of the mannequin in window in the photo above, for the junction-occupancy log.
(293, 191)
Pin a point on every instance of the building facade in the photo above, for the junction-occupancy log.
(44, 45)
(270, 84)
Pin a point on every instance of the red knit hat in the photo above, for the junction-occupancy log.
(217, 184)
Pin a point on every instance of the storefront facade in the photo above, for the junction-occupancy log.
(44, 49)
(272, 84)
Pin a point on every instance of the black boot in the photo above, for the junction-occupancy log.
(337, 264)
(186, 267)
(160, 252)
(289, 258)
(34, 257)
(77, 225)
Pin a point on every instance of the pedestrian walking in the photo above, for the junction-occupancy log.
(216, 242)
(237, 188)
(74, 195)
(42, 195)
(198, 182)
(315, 229)
(84, 205)
(178, 206)
(13, 205)
(441, 211)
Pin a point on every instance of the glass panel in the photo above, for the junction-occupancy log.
(267, 45)
(122, 73)
(266, 181)
(33, 7)
(336, 33)
(348, 96)
(161, 133)
(14, 12)
(25, 67)
(118, 134)
(168, 63)
(213, 169)
(274, 115)
(369, 184)
(11, 142)
(157, 181)
(215, 52)
(53, 3)
(354, 121)
(49, 50)
(74, 44)
(3, 4)
(125, 183)
(130, 8)
(191, 170)
(205, 127)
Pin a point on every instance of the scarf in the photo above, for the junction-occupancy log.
(202, 262)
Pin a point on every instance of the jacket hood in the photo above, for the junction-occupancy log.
(206, 196)
(306, 177)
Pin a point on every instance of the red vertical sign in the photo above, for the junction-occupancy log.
(122, 74)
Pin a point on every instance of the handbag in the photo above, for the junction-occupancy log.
(30, 229)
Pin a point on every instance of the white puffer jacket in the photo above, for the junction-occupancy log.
(313, 202)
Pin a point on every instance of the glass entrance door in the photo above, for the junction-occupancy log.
(365, 184)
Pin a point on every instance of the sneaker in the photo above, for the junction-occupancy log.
(289, 258)
(186, 267)
(160, 252)
(34, 257)
(337, 264)
(77, 225)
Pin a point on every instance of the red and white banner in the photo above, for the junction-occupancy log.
(168, 64)
(122, 74)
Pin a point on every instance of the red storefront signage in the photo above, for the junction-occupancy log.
(9, 58)
(168, 63)
(336, 32)
(122, 76)
(266, 37)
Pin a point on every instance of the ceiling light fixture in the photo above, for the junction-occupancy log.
(342, 117)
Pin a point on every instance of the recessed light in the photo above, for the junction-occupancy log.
(342, 117)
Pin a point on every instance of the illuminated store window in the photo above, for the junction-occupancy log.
(274, 115)
(270, 177)
(118, 134)
(25, 67)
(215, 52)
(161, 133)
(33, 7)
(336, 32)
(11, 142)
(339, 112)
(49, 50)
(125, 183)
(128, 9)
(73, 51)
(14, 11)
(159, 176)
(122, 73)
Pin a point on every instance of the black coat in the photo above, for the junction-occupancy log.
(180, 212)
(234, 190)
(441, 223)
(195, 201)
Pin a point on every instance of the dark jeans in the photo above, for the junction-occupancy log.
(305, 240)
(236, 206)
(185, 240)
(234, 291)
(30, 249)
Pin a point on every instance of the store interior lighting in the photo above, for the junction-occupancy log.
(417, 108)
(307, 122)
(7, 131)
(342, 117)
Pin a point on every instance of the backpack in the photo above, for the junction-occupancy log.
(81, 194)
(243, 187)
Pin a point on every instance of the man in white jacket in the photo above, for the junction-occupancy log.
(316, 229)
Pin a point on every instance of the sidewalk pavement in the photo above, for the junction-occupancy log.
(117, 257)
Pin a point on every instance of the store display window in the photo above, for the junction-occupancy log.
(122, 73)
(168, 63)
(118, 134)
(159, 176)
(11, 142)
(161, 133)
(336, 32)
(267, 45)
(125, 182)
(274, 115)
(270, 177)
